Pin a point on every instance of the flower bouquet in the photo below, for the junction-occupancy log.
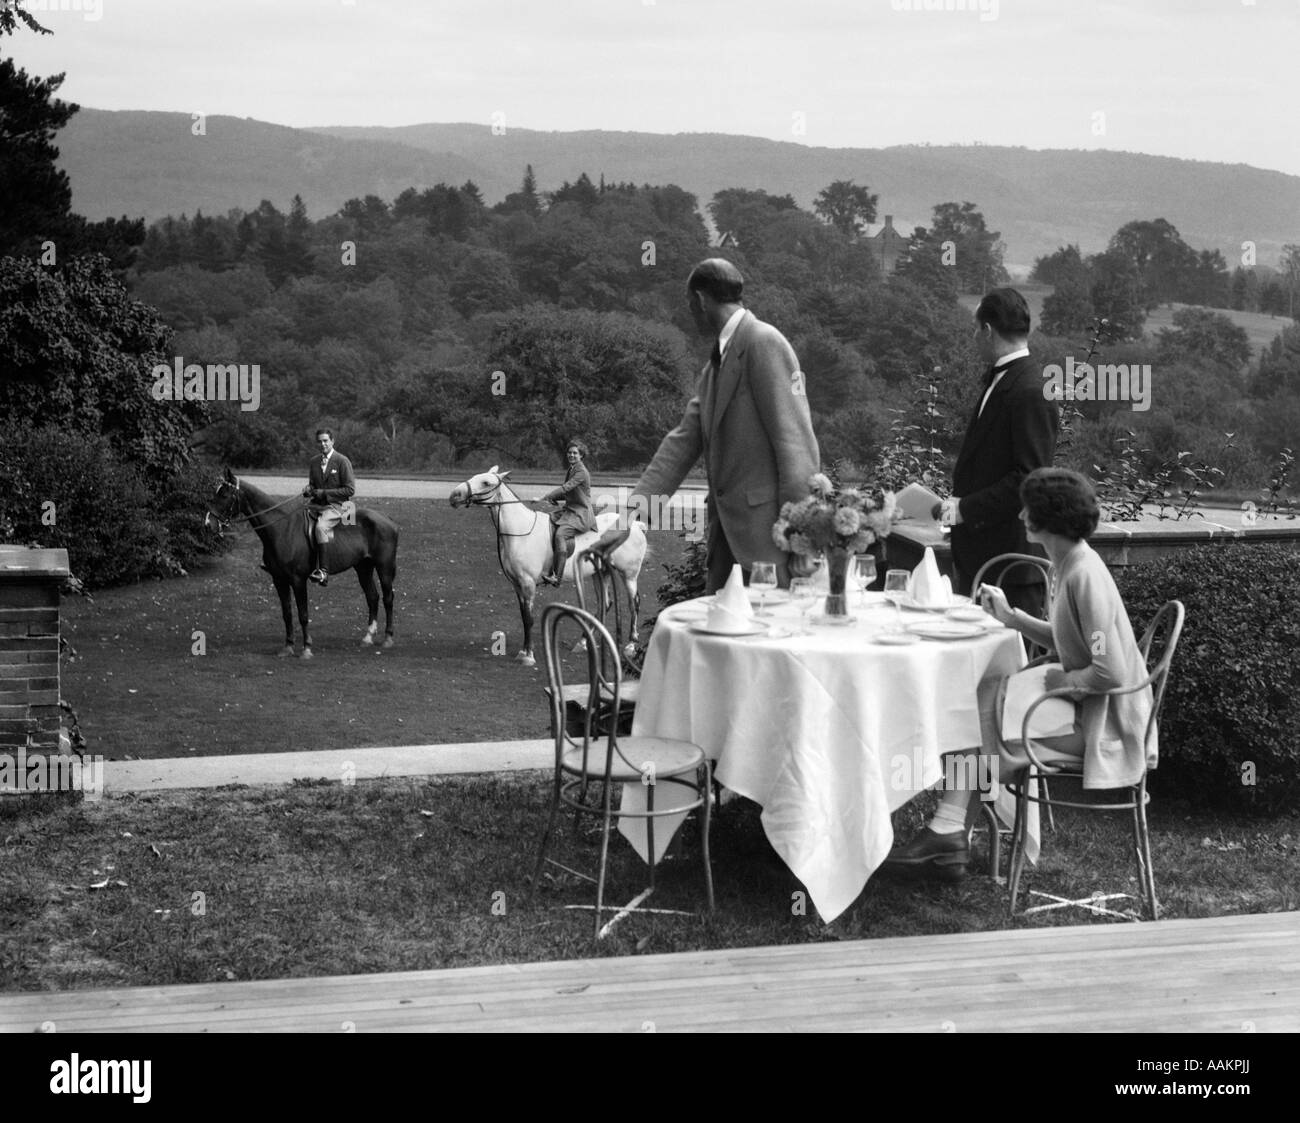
(838, 524)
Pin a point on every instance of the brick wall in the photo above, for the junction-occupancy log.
(29, 647)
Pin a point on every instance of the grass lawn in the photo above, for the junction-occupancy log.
(140, 692)
(393, 875)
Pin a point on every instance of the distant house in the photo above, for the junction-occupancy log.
(887, 245)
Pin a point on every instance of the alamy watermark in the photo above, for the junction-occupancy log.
(987, 9)
(684, 511)
(1107, 382)
(217, 382)
(92, 11)
(51, 772)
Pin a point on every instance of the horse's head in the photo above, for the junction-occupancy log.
(477, 491)
(224, 504)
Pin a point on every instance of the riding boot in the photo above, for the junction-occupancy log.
(320, 570)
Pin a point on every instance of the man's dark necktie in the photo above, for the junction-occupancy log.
(715, 365)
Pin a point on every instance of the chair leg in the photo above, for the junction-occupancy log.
(1019, 834)
(546, 835)
(995, 838)
(706, 790)
(604, 858)
(1046, 793)
(1142, 841)
(650, 827)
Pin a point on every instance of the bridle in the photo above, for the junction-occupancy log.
(494, 505)
(223, 522)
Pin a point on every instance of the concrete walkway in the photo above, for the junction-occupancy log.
(121, 776)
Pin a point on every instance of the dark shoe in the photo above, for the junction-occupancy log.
(931, 854)
(319, 576)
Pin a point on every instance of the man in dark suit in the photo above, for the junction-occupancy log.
(749, 419)
(1012, 432)
(330, 484)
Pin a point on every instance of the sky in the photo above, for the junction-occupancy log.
(1201, 79)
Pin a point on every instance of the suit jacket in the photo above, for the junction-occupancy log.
(337, 481)
(576, 495)
(755, 433)
(1015, 434)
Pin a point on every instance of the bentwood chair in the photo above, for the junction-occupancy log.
(1157, 645)
(601, 756)
(995, 571)
(576, 693)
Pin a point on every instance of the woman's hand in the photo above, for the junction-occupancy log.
(993, 600)
(1054, 679)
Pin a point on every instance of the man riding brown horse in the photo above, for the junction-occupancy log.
(330, 485)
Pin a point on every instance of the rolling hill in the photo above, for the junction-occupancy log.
(150, 164)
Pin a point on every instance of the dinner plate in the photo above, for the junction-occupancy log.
(945, 629)
(895, 638)
(973, 615)
(690, 617)
(752, 630)
(957, 602)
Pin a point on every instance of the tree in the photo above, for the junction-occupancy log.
(37, 195)
(1066, 264)
(1198, 335)
(846, 206)
(977, 249)
(1165, 265)
(747, 214)
(78, 352)
(1291, 271)
(1116, 293)
(523, 201)
(1068, 310)
(930, 266)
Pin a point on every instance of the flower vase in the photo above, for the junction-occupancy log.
(837, 572)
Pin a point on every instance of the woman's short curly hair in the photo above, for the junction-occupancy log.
(579, 444)
(1061, 502)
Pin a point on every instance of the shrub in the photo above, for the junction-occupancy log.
(1232, 710)
(70, 491)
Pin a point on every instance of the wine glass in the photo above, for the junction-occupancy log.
(762, 577)
(864, 574)
(803, 594)
(896, 582)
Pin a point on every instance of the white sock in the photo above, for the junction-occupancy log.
(949, 819)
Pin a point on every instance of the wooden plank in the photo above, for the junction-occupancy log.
(1219, 974)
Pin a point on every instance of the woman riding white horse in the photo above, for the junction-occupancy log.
(574, 516)
(525, 547)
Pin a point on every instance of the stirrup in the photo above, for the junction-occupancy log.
(319, 576)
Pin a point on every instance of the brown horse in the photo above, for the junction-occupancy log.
(365, 540)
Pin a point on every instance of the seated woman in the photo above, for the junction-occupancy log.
(1089, 631)
(574, 516)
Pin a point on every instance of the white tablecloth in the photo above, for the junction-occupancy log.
(828, 732)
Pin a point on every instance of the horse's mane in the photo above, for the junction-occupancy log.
(260, 501)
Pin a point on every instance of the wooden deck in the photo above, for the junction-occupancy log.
(1228, 974)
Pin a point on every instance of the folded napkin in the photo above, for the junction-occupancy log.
(927, 586)
(731, 610)
(1054, 718)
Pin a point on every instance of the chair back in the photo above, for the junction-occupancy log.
(995, 570)
(604, 680)
(1157, 645)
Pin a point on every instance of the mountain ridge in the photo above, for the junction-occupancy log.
(1037, 198)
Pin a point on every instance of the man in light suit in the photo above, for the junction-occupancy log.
(749, 419)
(1012, 432)
(330, 484)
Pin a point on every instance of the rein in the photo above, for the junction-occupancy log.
(224, 522)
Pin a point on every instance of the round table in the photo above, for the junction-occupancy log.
(829, 730)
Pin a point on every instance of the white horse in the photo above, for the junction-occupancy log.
(524, 551)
